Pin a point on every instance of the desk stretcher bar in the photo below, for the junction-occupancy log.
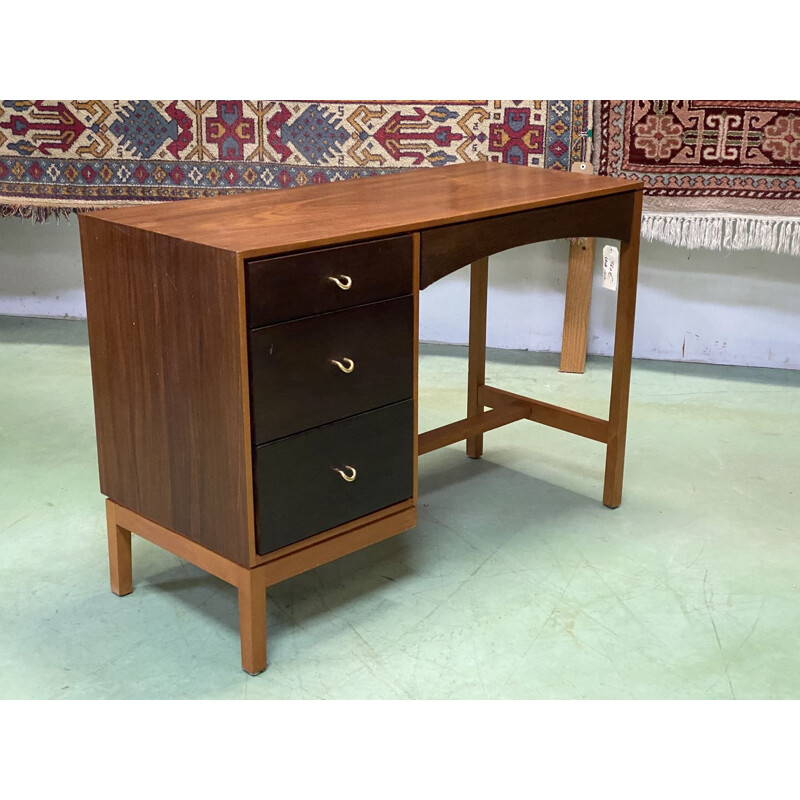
(507, 408)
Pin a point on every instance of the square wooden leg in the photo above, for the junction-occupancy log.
(119, 554)
(621, 370)
(253, 621)
(476, 376)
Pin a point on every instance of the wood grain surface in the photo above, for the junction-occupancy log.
(576, 304)
(164, 337)
(476, 368)
(296, 385)
(289, 287)
(265, 222)
(451, 247)
(623, 353)
(300, 491)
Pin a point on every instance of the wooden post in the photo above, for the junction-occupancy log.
(253, 621)
(623, 353)
(576, 304)
(476, 376)
(119, 553)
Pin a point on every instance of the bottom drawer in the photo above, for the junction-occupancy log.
(300, 492)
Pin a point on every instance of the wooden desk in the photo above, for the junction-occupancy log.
(254, 360)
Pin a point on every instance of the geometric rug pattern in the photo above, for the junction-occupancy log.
(718, 174)
(710, 151)
(60, 156)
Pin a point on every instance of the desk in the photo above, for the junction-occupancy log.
(254, 360)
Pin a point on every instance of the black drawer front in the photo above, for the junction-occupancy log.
(299, 491)
(296, 385)
(289, 287)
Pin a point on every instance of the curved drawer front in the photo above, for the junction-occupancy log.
(316, 480)
(297, 383)
(290, 287)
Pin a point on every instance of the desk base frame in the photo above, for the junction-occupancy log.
(251, 583)
(507, 407)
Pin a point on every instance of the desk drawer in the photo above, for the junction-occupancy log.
(289, 287)
(296, 385)
(299, 491)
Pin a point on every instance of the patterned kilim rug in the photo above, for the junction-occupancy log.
(63, 156)
(721, 174)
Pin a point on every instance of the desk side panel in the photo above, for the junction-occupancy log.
(165, 343)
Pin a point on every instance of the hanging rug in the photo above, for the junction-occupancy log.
(719, 174)
(57, 157)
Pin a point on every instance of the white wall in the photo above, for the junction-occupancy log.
(721, 308)
(692, 305)
(40, 269)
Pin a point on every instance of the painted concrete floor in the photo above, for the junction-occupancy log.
(517, 582)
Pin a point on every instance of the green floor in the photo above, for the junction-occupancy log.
(517, 582)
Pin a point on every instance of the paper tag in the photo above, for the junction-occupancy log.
(582, 166)
(610, 267)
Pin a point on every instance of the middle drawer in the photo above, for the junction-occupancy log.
(319, 369)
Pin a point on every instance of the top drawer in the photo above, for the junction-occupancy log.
(289, 287)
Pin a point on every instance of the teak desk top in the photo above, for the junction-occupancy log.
(264, 223)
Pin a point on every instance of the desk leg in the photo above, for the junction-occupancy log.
(476, 376)
(253, 621)
(119, 554)
(621, 370)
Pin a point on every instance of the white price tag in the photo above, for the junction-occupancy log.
(610, 267)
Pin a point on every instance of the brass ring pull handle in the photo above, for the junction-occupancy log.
(348, 473)
(345, 365)
(344, 282)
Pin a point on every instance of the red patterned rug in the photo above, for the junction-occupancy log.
(721, 174)
(62, 156)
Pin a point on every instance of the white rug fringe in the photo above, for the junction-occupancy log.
(715, 231)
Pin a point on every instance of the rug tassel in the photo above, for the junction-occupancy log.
(723, 232)
(37, 213)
